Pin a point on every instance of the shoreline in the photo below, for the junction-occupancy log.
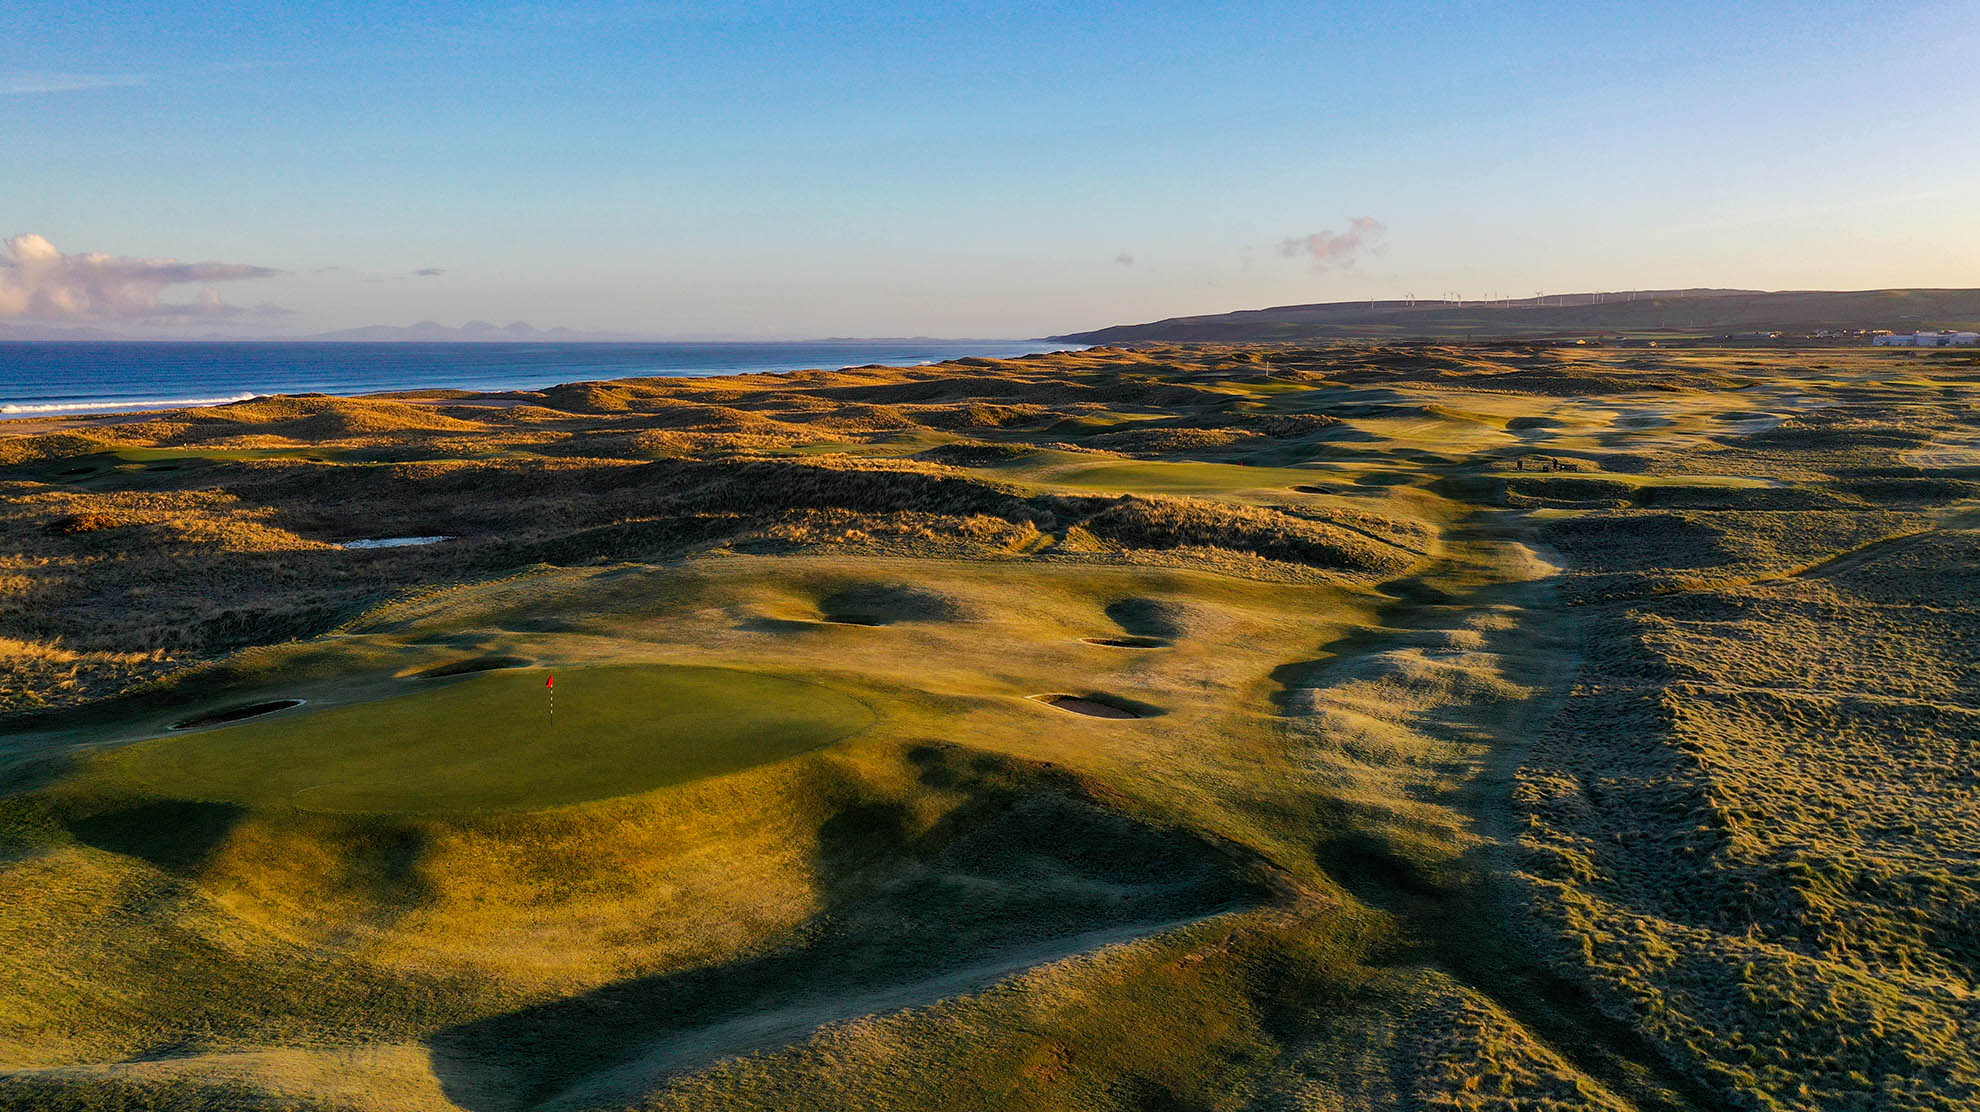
(151, 372)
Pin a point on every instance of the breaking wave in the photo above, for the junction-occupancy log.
(11, 409)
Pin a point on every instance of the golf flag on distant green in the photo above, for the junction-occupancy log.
(550, 681)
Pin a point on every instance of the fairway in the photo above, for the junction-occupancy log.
(488, 742)
(1069, 471)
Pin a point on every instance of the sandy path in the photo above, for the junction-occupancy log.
(792, 1023)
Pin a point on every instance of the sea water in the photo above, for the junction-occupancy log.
(54, 378)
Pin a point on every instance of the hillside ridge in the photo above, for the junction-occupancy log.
(1682, 313)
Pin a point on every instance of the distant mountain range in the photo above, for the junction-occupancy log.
(1694, 313)
(474, 331)
(29, 330)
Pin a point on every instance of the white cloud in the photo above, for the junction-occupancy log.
(40, 282)
(20, 83)
(1336, 249)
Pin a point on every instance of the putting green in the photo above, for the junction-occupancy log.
(1160, 477)
(488, 741)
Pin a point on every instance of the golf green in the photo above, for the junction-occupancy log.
(490, 741)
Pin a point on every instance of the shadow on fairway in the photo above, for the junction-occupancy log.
(470, 666)
(1148, 617)
(378, 856)
(1020, 874)
(176, 835)
(878, 604)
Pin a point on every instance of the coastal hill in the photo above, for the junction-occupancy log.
(1693, 313)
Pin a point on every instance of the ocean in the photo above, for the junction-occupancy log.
(49, 379)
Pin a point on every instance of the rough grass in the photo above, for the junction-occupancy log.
(1640, 783)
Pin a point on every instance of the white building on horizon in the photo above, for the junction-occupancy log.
(1926, 339)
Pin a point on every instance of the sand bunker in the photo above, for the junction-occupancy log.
(1089, 706)
(1127, 642)
(235, 714)
(392, 542)
(472, 665)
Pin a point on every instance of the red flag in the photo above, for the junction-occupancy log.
(550, 681)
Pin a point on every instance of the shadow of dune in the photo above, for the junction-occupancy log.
(879, 604)
(1148, 617)
(376, 858)
(175, 835)
(470, 666)
(778, 625)
(1016, 876)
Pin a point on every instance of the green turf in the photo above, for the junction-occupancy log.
(1072, 471)
(879, 447)
(175, 454)
(124, 463)
(487, 742)
(1740, 482)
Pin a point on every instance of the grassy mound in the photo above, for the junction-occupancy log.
(489, 742)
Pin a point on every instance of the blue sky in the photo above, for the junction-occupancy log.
(974, 169)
